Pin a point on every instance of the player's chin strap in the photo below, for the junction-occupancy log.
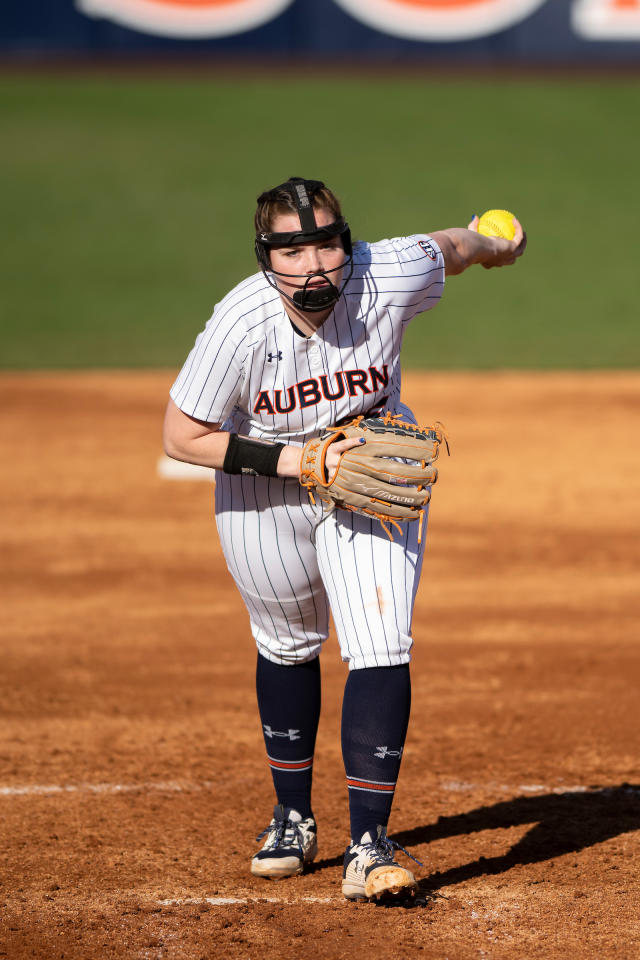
(311, 299)
(307, 298)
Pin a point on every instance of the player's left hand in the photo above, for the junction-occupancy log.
(289, 463)
(504, 253)
(389, 477)
(336, 450)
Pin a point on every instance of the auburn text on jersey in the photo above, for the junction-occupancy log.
(306, 393)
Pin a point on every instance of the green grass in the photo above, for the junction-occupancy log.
(128, 207)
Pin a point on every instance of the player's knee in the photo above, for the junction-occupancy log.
(366, 662)
(287, 652)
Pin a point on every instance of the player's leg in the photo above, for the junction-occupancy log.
(265, 527)
(371, 583)
(289, 705)
(375, 717)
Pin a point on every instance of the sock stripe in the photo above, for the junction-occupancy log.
(377, 786)
(293, 766)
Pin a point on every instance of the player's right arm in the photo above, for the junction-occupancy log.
(463, 248)
(193, 441)
(196, 441)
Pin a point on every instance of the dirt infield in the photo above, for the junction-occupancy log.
(132, 774)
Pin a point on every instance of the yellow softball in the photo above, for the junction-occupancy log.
(497, 223)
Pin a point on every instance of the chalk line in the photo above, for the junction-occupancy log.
(177, 787)
(224, 901)
(35, 789)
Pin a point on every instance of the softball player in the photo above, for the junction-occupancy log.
(310, 340)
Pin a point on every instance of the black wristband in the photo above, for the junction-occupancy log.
(258, 458)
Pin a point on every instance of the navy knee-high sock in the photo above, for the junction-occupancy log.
(375, 717)
(289, 705)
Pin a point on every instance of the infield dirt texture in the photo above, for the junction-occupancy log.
(132, 771)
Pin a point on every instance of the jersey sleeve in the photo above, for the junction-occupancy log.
(411, 271)
(210, 382)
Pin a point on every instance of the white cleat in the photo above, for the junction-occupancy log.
(291, 842)
(371, 872)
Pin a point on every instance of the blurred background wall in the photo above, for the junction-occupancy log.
(473, 31)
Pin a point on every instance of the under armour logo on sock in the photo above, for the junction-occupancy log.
(383, 752)
(274, 356)
(288, 734)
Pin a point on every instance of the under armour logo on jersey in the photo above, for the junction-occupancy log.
(274, 356)
(383, 752)
(288, 734)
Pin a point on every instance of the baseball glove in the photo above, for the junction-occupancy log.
(388, 477)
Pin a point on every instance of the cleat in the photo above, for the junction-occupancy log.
(291, 843)
(371, 872)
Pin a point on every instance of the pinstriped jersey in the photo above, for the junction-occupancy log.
(251, 371)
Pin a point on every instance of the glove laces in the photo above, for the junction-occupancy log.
(313, 477)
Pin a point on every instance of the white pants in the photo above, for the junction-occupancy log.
(293, 562)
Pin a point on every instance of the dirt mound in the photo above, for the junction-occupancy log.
(133, 780)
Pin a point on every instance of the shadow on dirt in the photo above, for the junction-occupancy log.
(562, 823)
